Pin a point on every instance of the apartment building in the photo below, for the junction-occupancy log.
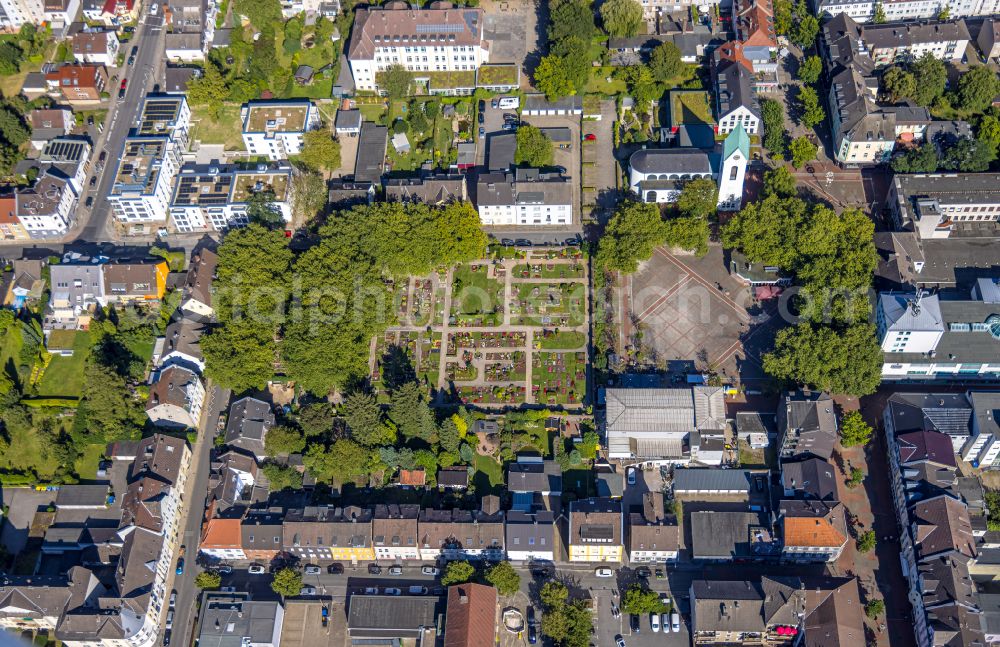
(324, 532)
(191, 28)
(807, 425)
(197, 298)
(78, 83)
(216, 197)
(596, 531)
(100, 47)
(889, 43)
(15, 13)
(143, 180)
(45, 209)
(431, 188)
(275, 128)
(120, 598)
(530, 536)
(424, 41)
(943, 336)
(653, 536)
(49, 123)
(164, 115)
(176, 398)
(525, 196)
(462, 534)
(394, 532)
(67, 158)
(812, 531)
(864, 10)
(735, 100)
(982, 449)
(936, 205)
(10, 225)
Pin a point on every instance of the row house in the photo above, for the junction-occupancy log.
(812, 531)
(596, 530)
(217, 197)
(394, 532)
(942, 336)
(235, 479)
(176, 398)
(10, 225)
(777, 611)
(462, 534)
(78, 288)
(525, 196)
(530, 536)
(45, 210)
(864, 10)
(807, 425)
(197, 297)
(191, 29)
(424, 41)
(653, 538)
(937, 540)
(888, 43)
(323, 532)
(275, 128)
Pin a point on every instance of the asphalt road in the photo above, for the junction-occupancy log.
(196, 495)
(122, 116)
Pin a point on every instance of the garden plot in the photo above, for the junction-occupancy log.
(458, 340)
(559, 378)
(477, 296)
(549, 304)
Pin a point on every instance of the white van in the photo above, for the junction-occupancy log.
(507, 103)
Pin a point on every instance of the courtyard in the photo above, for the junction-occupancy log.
(497, 332)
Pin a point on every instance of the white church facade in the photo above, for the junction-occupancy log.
(659, 174)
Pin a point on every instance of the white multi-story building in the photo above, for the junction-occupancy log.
(216, 198)
(69, 159)
(176, 398)
(424, 41)
(60, 13)
(932, 337)
(935, 205)
(982, 449)
(14, 13)
(165, 115)
(44, 209)
(902, 41)
(524, 197)
(394, 532)
(275, 128)
(96, 47)
(142, 188)
(864, 10)
(736, 102)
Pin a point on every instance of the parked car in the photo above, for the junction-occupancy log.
(631, 476)
(256, 569)
(89, 202)
(604, 572)
(371, 590)
(166, 638)
(654, 622)
(153, 8)
(374, 569)
(417, 590)
(180, 566)
(93, 180)
(495, 102)
(619, 641)
(308, 590)
(509, 126)
(615, 612)
(131, 60)
(482, 118)
(633, 622)
(643, 572)
(430, 570)
(590, 137)
(482, 105)
(482, 132)
(170, 620)
(312, 569)
(392, 591)
(665, 622)
(509, 116)
(335, 568)
(224, 569)
(659, 574)
(173, 598)
(396, 570)
(124, 84)
(675, 622)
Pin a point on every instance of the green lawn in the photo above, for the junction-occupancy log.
(10, 348)
(64, 375)
(599, 84)
(86, 463)
(227, 129)
(373, 112)
(488, 477)
(564, 339)
(476, 296)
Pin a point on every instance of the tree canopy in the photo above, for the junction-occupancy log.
(977, 88)
(287, 582)
(844, 360)
(457, 572)
(395, 81)
(810, 69)
(775, 135)
(811, 112)
(504, 578)
(780, 182)
(621, 18)
(854, 431)
(641, 601)
(898, 83)
(533, 147)
(802, 150)
(665, 62)
(699, 198)
(571, 18)
(631, 235)
(320, 151)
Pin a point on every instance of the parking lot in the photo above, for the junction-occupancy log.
(600, 170)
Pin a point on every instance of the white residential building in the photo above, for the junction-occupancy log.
(524, 197)
(394, 532)
(888, 43)
(424, 41)
(176, 398)
(96, 47)
(60, 13)
(530, 536)
(275, 128)
(142, 188)
(864, 10)
(933, 337)
(14, 13)
(44, 209)
(215, 198)
(67, 158)
(735, 99)
(936, 205)
(165, 115)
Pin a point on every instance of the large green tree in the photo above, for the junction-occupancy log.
(364, 418)
(631, 235)
(504, 578)
(411, 412)
(665, 62)
(840, 360)
(968, 155)
(287, 582)
(282, 477)
(920, 159)
(977, 88)
(320, 151)
(898, 83)
(805, 26)
(780, 182)
(533, 147)
(810, 69)
(811, 113)
(259, 12)
(699, 198)
(641, 601)
(395, 81)
(283, 440)
(775, 134)
(931, 78)
(802, 151)
(571, 18)
(345, 461)
(457, 572)
(552, 78)
(621, 18)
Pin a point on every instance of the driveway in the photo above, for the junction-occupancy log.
(600, 168)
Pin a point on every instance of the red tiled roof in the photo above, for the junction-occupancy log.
(471, 617)
(412, 477)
